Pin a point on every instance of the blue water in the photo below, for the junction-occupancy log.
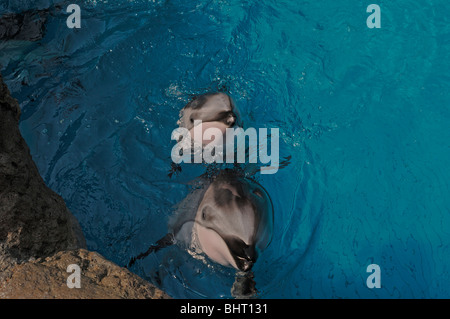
(363, 113)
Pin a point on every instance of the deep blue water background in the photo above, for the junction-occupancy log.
(363, 113)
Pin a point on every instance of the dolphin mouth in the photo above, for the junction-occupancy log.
(244, 255)
(244, 264)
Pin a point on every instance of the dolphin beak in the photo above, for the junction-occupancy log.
(244, 255)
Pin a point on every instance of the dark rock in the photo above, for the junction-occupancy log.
(40, 238)
(34, 220)
(28, 25)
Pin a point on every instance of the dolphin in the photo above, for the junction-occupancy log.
(214, 110)
(229, 219)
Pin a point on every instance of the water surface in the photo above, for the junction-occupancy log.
(362, 112)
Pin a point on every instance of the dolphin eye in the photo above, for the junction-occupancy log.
(258, 193)
(192, 120)
(205, 215)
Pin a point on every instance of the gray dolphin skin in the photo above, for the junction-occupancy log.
(230, 219)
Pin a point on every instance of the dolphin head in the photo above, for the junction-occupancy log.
(234, 221)
(210, 107)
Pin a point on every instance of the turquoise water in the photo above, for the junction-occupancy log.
(363, 113)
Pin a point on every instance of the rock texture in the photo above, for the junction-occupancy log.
(28, 25)
(34, 220)
(40, 238)
(47, 278)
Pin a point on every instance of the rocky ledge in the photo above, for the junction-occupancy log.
(40, 238)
